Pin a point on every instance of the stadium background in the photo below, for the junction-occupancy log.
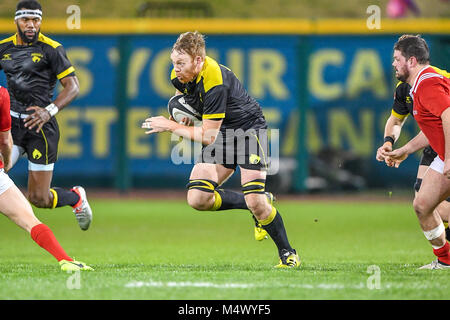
(325, 83)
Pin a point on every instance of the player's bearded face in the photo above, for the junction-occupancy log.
(186, 68)
(28, 29)
(400, 65)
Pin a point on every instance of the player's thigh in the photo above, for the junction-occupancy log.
(42, 146)
(428, 156)
(435, 188)
(248, 175)
(421, 171)
(207, 172)
(214, 172)
(16, 207)
(444, 210)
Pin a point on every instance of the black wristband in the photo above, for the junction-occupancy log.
(390, 139)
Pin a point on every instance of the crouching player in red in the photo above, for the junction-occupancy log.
(16, 207)
(431, 101)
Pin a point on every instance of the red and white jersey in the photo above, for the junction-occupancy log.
(431, 96)
(5, 117)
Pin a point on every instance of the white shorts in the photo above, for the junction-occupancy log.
(437, 165)
(5, 181)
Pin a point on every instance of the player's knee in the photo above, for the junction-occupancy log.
(258, 205)
(421, 206)
(255, 197)
(200, 200)
(201, 194)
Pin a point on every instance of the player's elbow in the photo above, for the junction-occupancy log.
(72, 86)
(75, 89)
(209, 135)
(209, 140)
(4, 142)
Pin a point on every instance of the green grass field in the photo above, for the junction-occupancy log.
(161, 250)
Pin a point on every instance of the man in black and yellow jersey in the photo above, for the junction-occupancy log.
(401, 108)
(233, 133)
(32, 64)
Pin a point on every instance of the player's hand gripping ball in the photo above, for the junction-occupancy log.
(182, 112)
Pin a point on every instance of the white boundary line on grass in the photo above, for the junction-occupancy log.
(324, 286)
(182, 284)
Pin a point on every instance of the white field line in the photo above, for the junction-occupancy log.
(323, 286)
(183, 284)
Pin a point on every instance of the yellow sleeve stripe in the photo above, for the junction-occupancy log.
(214, 116)
(399, 116)
(65, 73)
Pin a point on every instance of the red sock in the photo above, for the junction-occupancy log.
(443, 253)
(79, 195)
(45, 238)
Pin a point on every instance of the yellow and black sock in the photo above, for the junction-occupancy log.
(275, 228)
(228, 199)
(223, 199)
(63, 197)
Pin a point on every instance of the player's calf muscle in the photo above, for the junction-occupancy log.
(257, 204)
(40, 199)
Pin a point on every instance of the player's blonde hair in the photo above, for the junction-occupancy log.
(193, 43)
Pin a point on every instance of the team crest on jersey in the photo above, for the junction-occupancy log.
(6, 56)
(37, 154)
(36, 57)
(408, 99)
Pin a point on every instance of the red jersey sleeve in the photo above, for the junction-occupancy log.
(5, 117)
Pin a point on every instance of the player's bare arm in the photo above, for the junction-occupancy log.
(397, 156)
(71, 89)
(445, 116)
(206, 134)
(6, 143)
(40, 116)
(392, 129)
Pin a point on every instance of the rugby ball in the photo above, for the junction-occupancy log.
(179, 109)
